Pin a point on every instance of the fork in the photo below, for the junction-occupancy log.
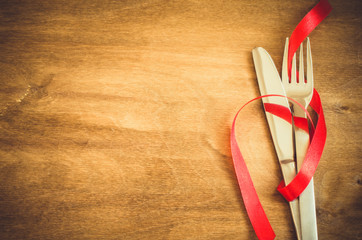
(302, 92)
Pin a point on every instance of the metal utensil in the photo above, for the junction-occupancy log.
(282, 132)
(302, 92)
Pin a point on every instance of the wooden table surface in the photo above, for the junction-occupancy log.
(115, 118)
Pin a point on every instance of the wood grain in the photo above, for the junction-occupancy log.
(115, 118)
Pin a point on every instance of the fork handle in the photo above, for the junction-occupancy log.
(289, 171)
(308, 215)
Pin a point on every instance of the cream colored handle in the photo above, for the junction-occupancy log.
(289, 171)
(308, 214)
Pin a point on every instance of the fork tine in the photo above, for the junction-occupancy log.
(309, 65)
(285, 78)
(294, 70)
(301, 64)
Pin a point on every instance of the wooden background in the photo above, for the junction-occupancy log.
(115, 118)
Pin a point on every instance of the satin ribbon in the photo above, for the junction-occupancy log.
(251, 200)
(285, 114)
(314, 153)
(310, 21)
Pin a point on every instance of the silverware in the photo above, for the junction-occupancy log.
(302, 92)
(281, 131)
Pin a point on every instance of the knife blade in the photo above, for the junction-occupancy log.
(281, 131)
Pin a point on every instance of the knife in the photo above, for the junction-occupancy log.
(281, 131)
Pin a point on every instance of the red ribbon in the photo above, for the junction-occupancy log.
(314, 153)
(284, 112)
(251, 200)
(306, 26)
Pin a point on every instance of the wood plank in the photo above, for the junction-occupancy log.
(115, 118)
